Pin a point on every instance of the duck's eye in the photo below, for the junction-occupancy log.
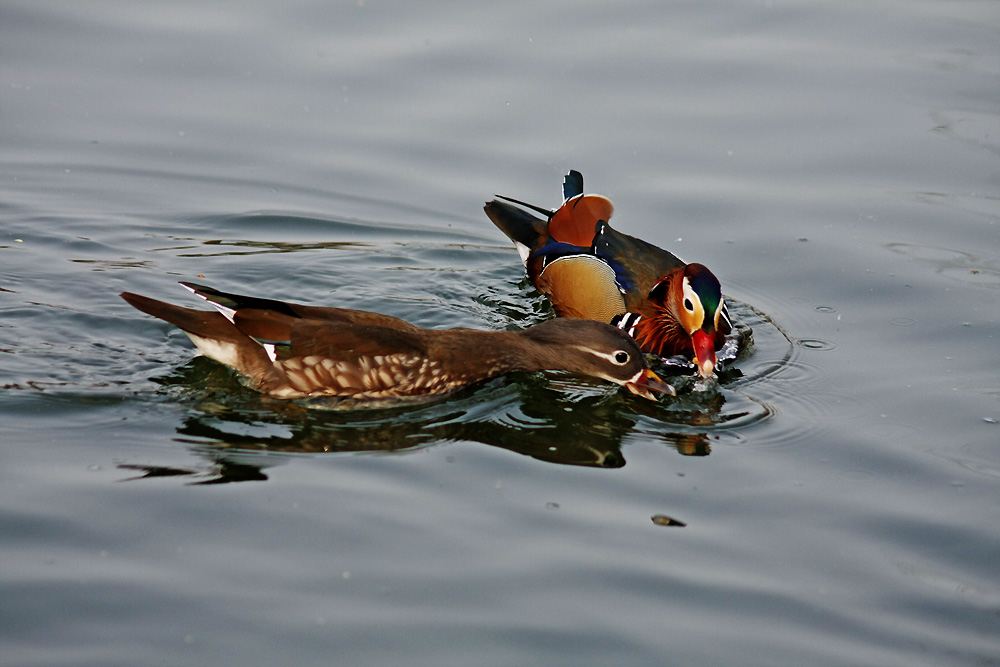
(621, 357)
(688, 306)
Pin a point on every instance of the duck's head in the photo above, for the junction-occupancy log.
(692, 297)
(596, 349)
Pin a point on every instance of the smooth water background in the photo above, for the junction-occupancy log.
(837, 164)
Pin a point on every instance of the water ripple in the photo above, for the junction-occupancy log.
(954, 265)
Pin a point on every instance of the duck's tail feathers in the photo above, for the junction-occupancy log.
(213, 334)
(547, 212)
(526, 231)
(202, 323)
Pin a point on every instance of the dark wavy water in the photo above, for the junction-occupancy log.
(833, 499)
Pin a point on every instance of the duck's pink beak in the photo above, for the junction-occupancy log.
(704, 352)
(647, 384)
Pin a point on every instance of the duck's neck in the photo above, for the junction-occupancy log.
(483, 354)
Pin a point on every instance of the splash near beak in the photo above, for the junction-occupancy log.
(704, 352)
(647, 383)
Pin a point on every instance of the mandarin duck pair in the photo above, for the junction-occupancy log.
(616, 297)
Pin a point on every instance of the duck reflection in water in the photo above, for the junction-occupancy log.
(238, 430)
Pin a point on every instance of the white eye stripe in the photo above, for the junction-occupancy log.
(690, 295)
(696, 311)
(608, 357)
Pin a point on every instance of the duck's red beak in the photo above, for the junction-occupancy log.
(704, 352)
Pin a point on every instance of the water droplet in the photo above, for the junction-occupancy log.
(826, 309)
(816, 344)
(903, 321)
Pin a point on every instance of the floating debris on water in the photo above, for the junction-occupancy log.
(664, 520)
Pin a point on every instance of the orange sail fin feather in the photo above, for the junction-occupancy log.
(576, 222)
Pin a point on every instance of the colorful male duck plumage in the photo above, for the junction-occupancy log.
(589, 270)
(288, 350)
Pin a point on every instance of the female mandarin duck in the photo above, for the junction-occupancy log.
(589, 270)
(291, 351)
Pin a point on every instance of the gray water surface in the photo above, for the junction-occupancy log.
(837, 165)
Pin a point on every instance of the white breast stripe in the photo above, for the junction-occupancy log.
(725, 315)
(627, 322)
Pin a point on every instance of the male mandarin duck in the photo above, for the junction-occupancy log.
(287, 350)
(589, 270)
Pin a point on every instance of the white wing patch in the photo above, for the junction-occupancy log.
(269, 348)
(228, 313)
(524, 251)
